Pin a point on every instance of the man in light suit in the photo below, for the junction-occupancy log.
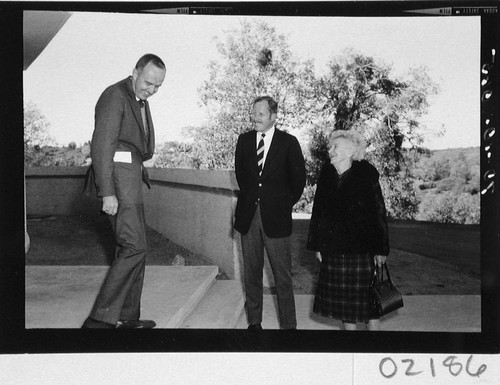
(123, 138)
(270, 171)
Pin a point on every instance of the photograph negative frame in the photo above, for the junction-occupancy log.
(22, 340)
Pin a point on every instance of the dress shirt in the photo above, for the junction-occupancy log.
(267, 142)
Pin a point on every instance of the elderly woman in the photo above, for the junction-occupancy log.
(348, 232)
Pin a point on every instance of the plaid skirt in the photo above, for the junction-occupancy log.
(343, 283)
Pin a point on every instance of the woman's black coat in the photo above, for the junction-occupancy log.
(349, 215)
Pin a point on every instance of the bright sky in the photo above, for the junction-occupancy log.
(95, 50)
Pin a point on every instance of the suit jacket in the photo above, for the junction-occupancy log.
(349, 215)
(276, 190)
(119, 127)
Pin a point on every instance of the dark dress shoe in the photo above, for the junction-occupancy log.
(94, 324)
(135, 324)
(255, 327)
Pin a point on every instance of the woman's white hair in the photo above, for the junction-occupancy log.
(354, 138)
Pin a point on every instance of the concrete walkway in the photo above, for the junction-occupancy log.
(62, 296)
(190, 297)
(421, 313)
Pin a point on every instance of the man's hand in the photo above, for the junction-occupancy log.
(318, 255)
(110, 205)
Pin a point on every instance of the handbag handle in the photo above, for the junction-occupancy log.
(374, 279)
(376, 273)
(384, 267)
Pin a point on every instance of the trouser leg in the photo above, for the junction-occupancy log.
(253, 264)
(279, 254)
(131, 309)
(120, 294)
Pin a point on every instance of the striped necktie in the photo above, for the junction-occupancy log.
(260, 154)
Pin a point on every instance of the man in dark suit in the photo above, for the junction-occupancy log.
(123, 138)
(271, 176)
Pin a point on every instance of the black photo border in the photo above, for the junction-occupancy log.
(15, 339)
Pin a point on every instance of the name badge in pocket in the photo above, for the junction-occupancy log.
(123, 157)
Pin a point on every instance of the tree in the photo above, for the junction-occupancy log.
(36, 132)
(357, 93)
(432, 168)
(467, 209)
(255, 61)
(448, 207)
(40, 148)
(175, 155)
(318, 153)
(461, 169)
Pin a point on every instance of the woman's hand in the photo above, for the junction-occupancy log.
(318, 256)
(379, 260)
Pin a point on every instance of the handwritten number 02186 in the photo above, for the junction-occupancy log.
(389, 368)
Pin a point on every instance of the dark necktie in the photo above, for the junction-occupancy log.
(260, 154)
(142, 103)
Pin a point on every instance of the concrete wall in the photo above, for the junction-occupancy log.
(192, 208)
(57, 191)
(195, 209)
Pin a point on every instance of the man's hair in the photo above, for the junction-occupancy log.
(354, 138)
(149, 58)
(272, 104)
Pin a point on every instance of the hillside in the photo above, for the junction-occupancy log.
(470, 153)
(448, 184)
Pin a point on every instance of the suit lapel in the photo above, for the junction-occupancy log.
(148, 145)
(272, 152)
(136, 109)
(253, 148)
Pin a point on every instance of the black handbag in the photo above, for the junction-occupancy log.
(384, 295)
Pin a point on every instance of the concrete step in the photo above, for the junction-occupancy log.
(422, 313)
(219, 309)
(62, 296)
(173, 292)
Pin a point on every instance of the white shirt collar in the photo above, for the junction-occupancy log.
(267, 141)
(269, 134)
